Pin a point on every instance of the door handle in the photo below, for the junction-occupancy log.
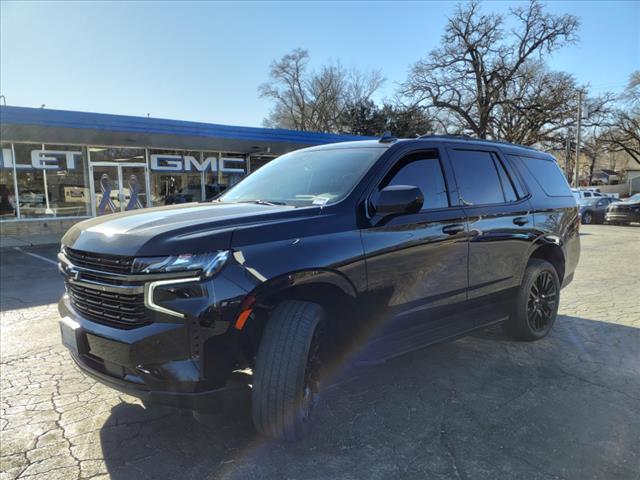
(453, 229)
(521, 221)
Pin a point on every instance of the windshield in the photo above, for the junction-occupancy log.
(306, 177)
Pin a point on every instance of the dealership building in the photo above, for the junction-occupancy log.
(58, 167)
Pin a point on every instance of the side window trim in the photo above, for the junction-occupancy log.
(497, 164)
(522, 190)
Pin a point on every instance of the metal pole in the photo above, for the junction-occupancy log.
(48, 210)
(15, 181)
(577, 165)
(567, 156)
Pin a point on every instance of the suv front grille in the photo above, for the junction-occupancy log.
(118, 309)
(620, 208)
(98, 261)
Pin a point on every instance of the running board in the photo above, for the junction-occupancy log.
(382, 349)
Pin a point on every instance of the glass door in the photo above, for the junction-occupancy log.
(118, 187)
(106, 189)
(132, 178)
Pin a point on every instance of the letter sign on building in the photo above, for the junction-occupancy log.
(42, 160)
(49, 159)
(189, 163)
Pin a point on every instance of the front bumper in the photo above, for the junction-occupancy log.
(185, 362)
(624, 216)
(235, 392)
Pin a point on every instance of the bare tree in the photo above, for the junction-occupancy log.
(624, 134)
(309, 100)
(480, 72)
(537, 105)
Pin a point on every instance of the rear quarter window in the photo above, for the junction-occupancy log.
(547, 174)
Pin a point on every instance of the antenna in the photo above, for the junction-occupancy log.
(387, 138)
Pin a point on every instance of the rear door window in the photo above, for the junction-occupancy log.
(477, 177)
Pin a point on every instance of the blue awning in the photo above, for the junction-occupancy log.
(22, 124)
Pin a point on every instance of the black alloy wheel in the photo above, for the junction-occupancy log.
(535, 306)
(541, 305)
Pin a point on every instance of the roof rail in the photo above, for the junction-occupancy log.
(387, 138)
(473, 139)
(459, 136)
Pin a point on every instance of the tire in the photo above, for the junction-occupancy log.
(587, 218)
(286, 377)
(532, 320)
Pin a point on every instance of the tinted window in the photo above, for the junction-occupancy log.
(425, 174)
(587, 194)
(306, 177)
(549, 176)
(507, 184)
(477, 177)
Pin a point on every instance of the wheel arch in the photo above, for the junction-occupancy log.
(328, 288)
(549, 248)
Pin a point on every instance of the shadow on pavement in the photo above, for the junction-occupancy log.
(481, 407)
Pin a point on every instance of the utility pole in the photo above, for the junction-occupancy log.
(567, 156)
(577, 165)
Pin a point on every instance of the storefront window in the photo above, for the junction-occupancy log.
(232, 168)
(258, 162)
(52, 180)
(117, 154)
(176, 176)
(7, 187)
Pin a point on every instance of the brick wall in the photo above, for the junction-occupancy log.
(37, 227)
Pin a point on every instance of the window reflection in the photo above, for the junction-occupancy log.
(52, 180)
(7, 190)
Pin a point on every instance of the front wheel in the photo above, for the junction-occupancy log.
(537, 302)
(286, 379)
(587, 218)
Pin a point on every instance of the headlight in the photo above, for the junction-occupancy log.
(208, 263)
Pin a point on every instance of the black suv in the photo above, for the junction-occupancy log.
(328, 256)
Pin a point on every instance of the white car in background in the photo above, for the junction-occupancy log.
(582, 194)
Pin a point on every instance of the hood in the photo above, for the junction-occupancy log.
(174, 229)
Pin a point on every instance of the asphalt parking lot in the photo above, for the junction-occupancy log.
(483, 407)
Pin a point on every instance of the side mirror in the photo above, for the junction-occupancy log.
(398, 199)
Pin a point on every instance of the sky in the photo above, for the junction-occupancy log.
(204, 61)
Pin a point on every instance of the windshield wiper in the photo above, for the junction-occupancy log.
(263, 202)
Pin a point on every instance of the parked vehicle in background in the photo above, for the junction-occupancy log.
(592, 210)
(624, 212)
(362, 251)
(582, 194)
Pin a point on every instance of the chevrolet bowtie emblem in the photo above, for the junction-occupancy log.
(75, 274)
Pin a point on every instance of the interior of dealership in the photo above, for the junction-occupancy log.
(58, 167)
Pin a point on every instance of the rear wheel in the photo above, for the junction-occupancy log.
(587, 218)
(287, 374)
(537, 302)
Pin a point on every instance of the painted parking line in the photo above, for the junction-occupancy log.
(35, 255)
